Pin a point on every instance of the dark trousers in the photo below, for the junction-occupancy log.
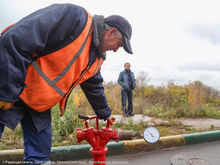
(1, 129)
(124, 95)
(37, 144)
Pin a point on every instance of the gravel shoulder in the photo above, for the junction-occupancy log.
(201, 123)
(204, 123)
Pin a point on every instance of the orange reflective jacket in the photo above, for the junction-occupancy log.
(51, 78)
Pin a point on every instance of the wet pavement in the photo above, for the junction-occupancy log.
(208, 154)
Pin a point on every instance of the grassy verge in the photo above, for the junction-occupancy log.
(62, 136)
(64, 128)
(168, 112)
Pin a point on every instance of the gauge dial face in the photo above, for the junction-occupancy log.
(151, 135)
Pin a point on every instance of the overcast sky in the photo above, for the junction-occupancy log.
(172, 40)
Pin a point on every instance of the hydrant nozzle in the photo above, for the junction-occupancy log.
(99, 138)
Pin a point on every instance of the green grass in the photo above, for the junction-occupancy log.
(62, 136)
(64, 128)
(12, 139)
(165, 112)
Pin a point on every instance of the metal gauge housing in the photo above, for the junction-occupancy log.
(151, 135)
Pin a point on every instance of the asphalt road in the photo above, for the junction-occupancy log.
(208, 151)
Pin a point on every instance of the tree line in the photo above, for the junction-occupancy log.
(194, 99)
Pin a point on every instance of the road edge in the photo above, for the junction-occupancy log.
(78, 152)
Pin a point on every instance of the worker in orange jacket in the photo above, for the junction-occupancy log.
(43, 57)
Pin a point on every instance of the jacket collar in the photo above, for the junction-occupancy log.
(98, 27)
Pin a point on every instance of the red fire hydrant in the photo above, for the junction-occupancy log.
(97, 138)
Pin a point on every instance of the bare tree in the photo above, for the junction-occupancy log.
(142, 79)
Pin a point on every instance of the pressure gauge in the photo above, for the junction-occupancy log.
(151, 135)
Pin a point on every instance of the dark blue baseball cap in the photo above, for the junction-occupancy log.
(123, 26)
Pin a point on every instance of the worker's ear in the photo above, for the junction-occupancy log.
(111, 31)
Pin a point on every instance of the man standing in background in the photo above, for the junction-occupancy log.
(127, 81)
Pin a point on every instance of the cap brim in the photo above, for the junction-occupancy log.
(127, 45)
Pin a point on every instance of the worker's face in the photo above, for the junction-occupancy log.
(127, 66)
(110, 41)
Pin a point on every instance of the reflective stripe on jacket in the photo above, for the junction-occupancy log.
(52, 77)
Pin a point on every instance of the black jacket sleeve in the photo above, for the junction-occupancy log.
(94, 91)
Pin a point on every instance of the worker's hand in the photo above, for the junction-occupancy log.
(5, 105)
(111, 120)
